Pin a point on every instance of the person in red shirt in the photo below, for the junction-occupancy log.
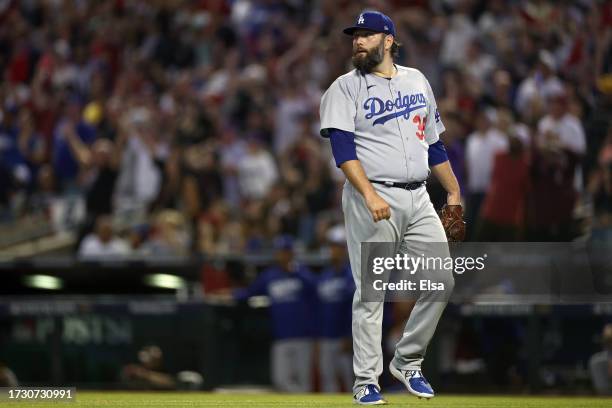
(503, 211)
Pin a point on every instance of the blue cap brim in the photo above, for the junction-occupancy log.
(352, 29)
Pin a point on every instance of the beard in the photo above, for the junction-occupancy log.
(368, 61)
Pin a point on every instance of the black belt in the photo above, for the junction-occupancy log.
(405, 186)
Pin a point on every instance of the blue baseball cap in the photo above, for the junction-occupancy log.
(373, 21)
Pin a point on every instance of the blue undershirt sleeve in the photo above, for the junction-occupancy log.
(437, 153)
(343, 145)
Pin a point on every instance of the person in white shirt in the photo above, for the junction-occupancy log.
(481, 147)
(102, 242)
(296, 100)
(563, 130)
(459, 34)
(139, 180)
(538, 87)
(562, 127)
(257, 171)
(478, 64)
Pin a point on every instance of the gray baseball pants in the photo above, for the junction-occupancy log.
(292, 365)
(413, 219)
(334, 365)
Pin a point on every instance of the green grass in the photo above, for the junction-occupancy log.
(176, 399)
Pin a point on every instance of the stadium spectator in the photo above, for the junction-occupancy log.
(44, 193)
(232, 150)
(295, 102)
(137, 238)
(63, 211)
(563, 128)
(495, 20)
(202, 178)
(600, 364)
(535, 90)
(257, 171)
(139, 179)
(100, 163)
(559, 146)
(71, 135)
(292, 292)
(503, 210)
(304, 169)
(335, 288)
(458, 35)
(102, 243)
(478, 65)
(12, 164)
(169, 236)
(148, 373)
(219, 232)
(500, 96)
(31, 144)
(481, 147)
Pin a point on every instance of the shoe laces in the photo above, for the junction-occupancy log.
(366, 390)
(416, 374)
(372, 389)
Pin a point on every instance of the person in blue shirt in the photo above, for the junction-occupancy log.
(70, 131)
(12, 159)
(291, 289)
(335, 288)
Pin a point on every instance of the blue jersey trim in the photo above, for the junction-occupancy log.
(437, 153)
(343, 146)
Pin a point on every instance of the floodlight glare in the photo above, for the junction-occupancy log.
(43, 282)
(164, 280)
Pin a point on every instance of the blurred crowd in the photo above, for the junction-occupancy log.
(182, 126)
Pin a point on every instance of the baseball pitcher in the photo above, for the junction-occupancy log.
(384, 127)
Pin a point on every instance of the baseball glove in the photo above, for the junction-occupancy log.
(452, 221)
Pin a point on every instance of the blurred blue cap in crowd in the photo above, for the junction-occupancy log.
(373, 21)
(283, 242)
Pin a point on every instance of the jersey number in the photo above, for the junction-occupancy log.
(420, 125)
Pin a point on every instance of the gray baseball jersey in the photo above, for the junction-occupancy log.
(394, 121)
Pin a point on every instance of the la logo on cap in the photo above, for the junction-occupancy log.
(361, 19)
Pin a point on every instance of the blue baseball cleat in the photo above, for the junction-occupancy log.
(369, 395)
(414, 381)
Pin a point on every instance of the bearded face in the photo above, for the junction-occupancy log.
(366, 59)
